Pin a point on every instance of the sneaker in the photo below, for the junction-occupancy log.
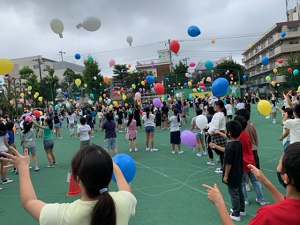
(218, 160)
(120, 131)
(181, 152)
(135, 149)
(248, 188)
(16, 171)
(147, 149)
(37, 168)
(0, 189)
(173, 152)
(247, 202)
(54, 163)
(156, 130)
(262, 203)
(13, 171)
(204, 153)
(50, 166)
(30, 167)
(154, 150)
(60, 138)
(7, 181)
(274, 121)
(241, 213)
(211, 163)
(130, 150)
(267, 117)
(235, 218)
(199, 155)
(219, 171)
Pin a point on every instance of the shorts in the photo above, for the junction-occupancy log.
(110, 143)
(187, 109)
(175, 137)
(119, 121)
(274, 114)
(3, 156)
(33, 149)
(286, 145)
(83, 143)
(183, 116)
(200, 134)
(149, 129)
(48, 145)
(57, 125)
(229, 117)
(94, 120)
(14, 146)
(41, 133)
(71, 125)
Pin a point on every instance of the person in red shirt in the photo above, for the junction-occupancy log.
(286, 209)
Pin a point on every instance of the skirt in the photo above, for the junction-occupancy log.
(219, 140)
(175, 137)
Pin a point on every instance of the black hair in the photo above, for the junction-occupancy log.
(69, 113)
(221, 104)
(38, 119)
(92, 109)
(93, 167)
(179, 101)
(130, 117)
(242, 121)
(244, 113)
(82, 120)
(234, 128)
(43, 121)
(9, 125)
(3, 129)
(289, 111)
(291, 164)
(176, 113)
(88, 111)
(55, 114)
(147, 110)
(164, 103)
(109, 116)
(184, 103)
(27, 126)
(297, 110)
(211, 110)
(199, 111)
(49, 122)
(274, 103)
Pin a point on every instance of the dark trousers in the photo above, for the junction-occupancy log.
(210, 153)
(237, 199)
(256, 158)
(221, 155)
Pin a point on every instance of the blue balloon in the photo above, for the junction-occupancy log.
(94, 89)
(152, 89)
(167, 79)
(209, 65)
(191, 75)
(185, 84)
(127, 166)
(194, 31)
(77, 98)
(220, 87)
(245, 77)
(283, 34)
(77, 56)
(150, 79)
(101, 93)
(66, 95)
(265, 61)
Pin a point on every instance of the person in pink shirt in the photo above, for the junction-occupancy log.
(132, 132)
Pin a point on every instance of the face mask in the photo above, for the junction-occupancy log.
(280, 179)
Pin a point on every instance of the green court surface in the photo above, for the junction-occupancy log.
(168, 187)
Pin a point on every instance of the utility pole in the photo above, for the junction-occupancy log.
(286, 9)
(39, 64)
(170, 54)
(61, 54)
(186, 61)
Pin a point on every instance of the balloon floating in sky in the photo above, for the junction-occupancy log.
(213, 42)
(265, 61)
(194, 31)
(57, 26)
(91, 23)
(209, 65)
(77, 56)
(175, 46)
(192, 64)
(6, 66)
(91, 59)
(112, 62)
(220, 87)
(129, 40)
(250, 46)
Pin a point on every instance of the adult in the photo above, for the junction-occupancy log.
(149, 122)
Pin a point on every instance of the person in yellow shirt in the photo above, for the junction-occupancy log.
(92, 168)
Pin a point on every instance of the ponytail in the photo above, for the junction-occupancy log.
(147, 112)
(104, 212)
(176, 113)
(178, 118)
(224, 111)
(49, 122)
(130, 119)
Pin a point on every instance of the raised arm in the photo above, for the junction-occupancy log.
(121, 181)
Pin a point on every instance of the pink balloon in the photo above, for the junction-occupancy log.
(208, 79)
(29, 92)
(21, 100)
(187, 75)
(31, 101)
(112, 62)
(192, 64)
(203, 88)
(137, 96)
(147, 93)
(28, 119)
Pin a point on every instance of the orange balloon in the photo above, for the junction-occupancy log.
(213, 41)
(129, 65)
(139, 103)
(104, 95)
(106, 80)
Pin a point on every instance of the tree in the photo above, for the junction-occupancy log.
(25, 73)
(48, 86)
(180, 68)
(234, 68)
(121, 74)
(69, 77)
(293, 62)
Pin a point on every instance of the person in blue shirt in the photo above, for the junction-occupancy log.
(94, 114)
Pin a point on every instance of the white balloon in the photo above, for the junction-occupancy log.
(129, 39)
(91, 23)
(201, 121)
(90, 102)
(108, 101)
(68, 105)
(57, 26)
(95, 78)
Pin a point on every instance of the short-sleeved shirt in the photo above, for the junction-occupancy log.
(165, 110)
(149, 122)
(47, 134)
(11, 139)
(234, 157)
(179, 107)
(71, 118)
(28, 139)
(3, 139)
(248, 156)
(84, 132)
(175, 125)
(110, 129)
(79, 212)
(240, 105)
(94, 114)
(228, 108)
(294, 126)
(196, 128)
(56, 120)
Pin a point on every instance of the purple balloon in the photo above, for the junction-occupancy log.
(131, 89)
(157, 102)
(200, 72)
(188, 138)
(141, 90)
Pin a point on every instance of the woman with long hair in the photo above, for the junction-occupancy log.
(149, 122)
(132, 132)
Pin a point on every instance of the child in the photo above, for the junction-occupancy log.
(200, 135)
(41, 131)
(71, 118)
(48, 141)
(37, 128)
(16, 124)
(175, 131)
(233, 168)
(132, 132)
(4, 146)
(27, 142)
(100, 117)
(274, 110)
(184, 112)
(228, 108)
(56, 126)
(210, 113)
(285, 138)
(110, 141)
(158, 119)
(11, 140)
(84, 132)
(293, 125)
(119, 117)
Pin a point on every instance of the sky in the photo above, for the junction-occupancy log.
(25, 28)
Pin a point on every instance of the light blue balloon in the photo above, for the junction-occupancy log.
(209, 65)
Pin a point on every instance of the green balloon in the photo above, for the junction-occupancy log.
(268, 78)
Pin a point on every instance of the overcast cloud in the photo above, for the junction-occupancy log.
(25, 28)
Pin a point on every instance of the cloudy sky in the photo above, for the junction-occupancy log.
(25, 28)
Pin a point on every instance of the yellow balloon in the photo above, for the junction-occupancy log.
(131, 71)
(56, 99)
(275, 70)
(133, 86)
(190, 83)
(299, 89)
(124, 97)
(11, 102)
(77, 82)
(22, 95)
(169, 99)
(40, 99)
(85, 85)
(143, 83)
(100, 84)
(111, 107)
(6, 66)
(250, 46)
(195, 90)
(264, 107)
(178, 84)
(162, 99)
(100, 99)
(41, 113)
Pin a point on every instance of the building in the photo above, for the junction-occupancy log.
(271, 45)
(157, 67)
(201, 65)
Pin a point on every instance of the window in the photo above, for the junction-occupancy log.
(294, 42)
(25, 66)
(48, 67)
(293, 29)
(35, 67)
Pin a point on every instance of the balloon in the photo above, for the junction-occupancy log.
(92, 95)
(106, 80)
(137, 96)
(231, 82)
(190, 83)
(299, 89)
(264, 107)
(150, 79)
(22, 95)
(194, 31)
(78, 82)
(175, 46)
(187, 75)
(268, 78)
(194, 90)
(245, 77)
(57, 26)
(77, 98)
(56, 107)
(124, 97)
(40, 99)
(112, 62)
(11, 102)
(29, 88)
(77, 56)
(6, 66)
(139, 104)
(152, 65)
(21, 100)
(157, 102)
(209, 65)
(265, 61)
(28, 119)
(133, 86)
(201, 83)
(104, 95)
(283, 34)
(280, 61)
(231, 76)
(143, 83)
(250, 46)
(290, 70)
(37, 113)
(275, 70)
(167, 79)
(91, 23)
(159, 56)
(159, 89)
(66, 95)
(208, 79)
(192, 64)
(273, 83)
(295, 72)
(213, 42)
(91, 59)
(188, 138)
(200, 72)
(203, 88)
(90, 102)
(85, 85)
(201, 121)
(129, 40)
(220, 87)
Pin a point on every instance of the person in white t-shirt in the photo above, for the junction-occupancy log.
(92, 169)
(293, 125)
(71, 117)
(229, 108)
(240, 105)
(84, 132)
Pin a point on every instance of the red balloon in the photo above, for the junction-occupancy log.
(175, 46)
(218, 75)
(122, 91)
(141, 112)
(37, 113)
(145, 81)
(231, 75)
(97, 104)
(201, 83)
(290, 70)
(159, 89)
(139, 78)
(280, 61)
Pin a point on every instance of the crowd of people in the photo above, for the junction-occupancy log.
(230, 137)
